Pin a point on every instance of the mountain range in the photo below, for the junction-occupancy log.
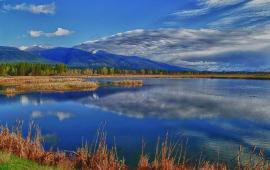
(13, 55)
(74, 57)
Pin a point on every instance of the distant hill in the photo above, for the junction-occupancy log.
(79, 58)
(13, 55)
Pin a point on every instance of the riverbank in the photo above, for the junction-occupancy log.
(256, 76)
(233, 75)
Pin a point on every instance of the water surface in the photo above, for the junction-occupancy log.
(214, 115)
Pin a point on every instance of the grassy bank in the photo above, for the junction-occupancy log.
(13, 85)
(12, 162)
(28, 153)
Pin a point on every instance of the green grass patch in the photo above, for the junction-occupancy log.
(11, 162)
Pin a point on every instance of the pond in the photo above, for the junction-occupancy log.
(212, 117)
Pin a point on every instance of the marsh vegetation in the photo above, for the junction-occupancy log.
(22, 84)
(13, 85)
(29, 152)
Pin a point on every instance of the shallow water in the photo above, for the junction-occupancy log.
(213, 116)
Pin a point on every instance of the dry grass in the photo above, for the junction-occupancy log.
(251, 159)
(166, 158)
(31, 149)
(98, 156)
(128, 83)
(169, 157)
(14, 85)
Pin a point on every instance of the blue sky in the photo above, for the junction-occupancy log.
(87, 19)
(202, 34)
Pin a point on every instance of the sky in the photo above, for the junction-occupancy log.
(200, 34)
(84, 19)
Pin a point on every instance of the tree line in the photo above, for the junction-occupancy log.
(29, 69)
(37, 69)
(32, 69)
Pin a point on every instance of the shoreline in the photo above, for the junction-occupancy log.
(199, 76)
(258, 76)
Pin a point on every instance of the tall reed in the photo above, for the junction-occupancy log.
(98, 156)
(30, 147)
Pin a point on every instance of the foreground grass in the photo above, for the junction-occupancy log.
(31, 155)
(12, 162)
(97, 156)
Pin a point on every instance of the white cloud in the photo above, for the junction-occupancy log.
(178, 46)
(225, 13)
(219, 3)
(61, 32)
(250, 14)
(58, 33)
(205, 6)
(36, 33)
(190, 13)
(36, 9)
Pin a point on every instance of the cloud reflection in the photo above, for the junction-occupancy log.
(181, 101)
(61, 116)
